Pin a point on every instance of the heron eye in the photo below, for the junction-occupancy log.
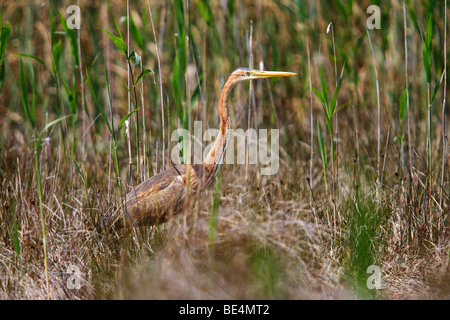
(247, 73)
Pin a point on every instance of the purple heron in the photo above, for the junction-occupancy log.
(161, 196)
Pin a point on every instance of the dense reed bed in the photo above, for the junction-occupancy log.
(363, 180)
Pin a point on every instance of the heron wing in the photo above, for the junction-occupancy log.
(155, 198)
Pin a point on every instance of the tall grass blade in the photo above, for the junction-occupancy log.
(98, 104)
(336, 93)
(323, 153)
(5, 32)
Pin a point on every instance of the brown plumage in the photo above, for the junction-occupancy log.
(161, 196)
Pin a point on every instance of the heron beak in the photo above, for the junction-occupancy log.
(270, 74)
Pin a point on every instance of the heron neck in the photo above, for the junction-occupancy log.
(215, 155)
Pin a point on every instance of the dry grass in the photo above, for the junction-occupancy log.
(272, 240)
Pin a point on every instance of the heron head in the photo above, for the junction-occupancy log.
(243, 74)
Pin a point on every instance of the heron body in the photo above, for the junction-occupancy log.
(158, 198)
